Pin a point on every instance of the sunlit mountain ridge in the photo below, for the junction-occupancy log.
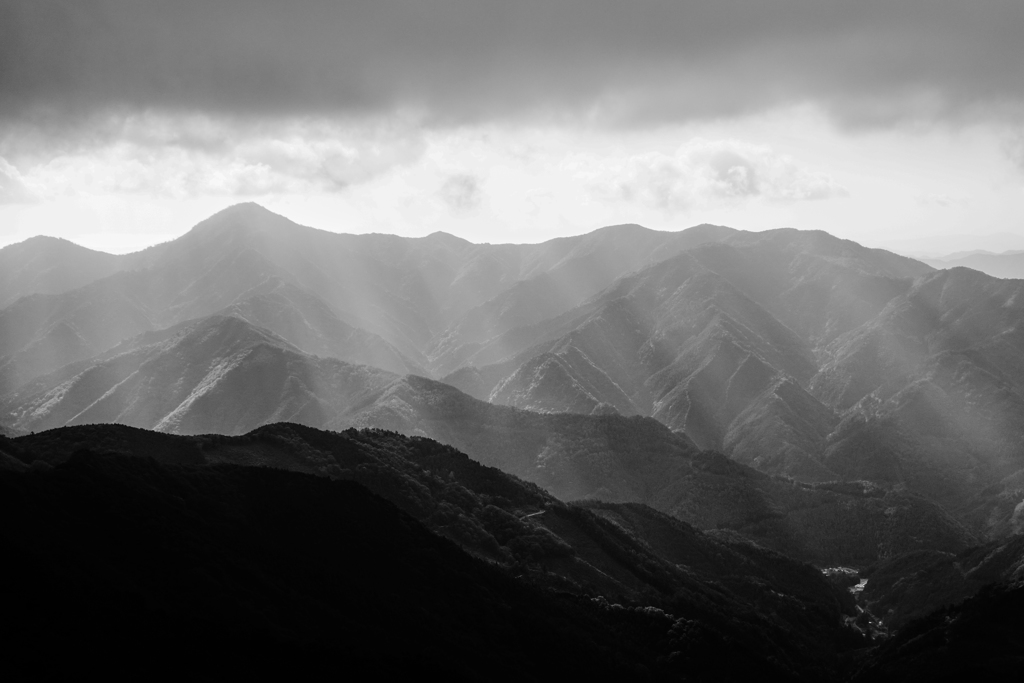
(794, 352)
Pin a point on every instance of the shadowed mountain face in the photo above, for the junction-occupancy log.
(257, 519)
(489, 512)
(979, 640)
(218, 572)
(606, 457)
(137, 547)
(908, 587)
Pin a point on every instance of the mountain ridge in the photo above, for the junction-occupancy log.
(794, 352)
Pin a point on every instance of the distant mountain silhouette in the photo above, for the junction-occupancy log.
(49, 265)
(165, 285)
(363, 298)
(1006, 265)
(577, 269)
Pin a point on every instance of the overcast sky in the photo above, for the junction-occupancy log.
(901, 123)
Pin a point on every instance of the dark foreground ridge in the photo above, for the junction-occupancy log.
(979, 640)
(408, 559)
(129, 567)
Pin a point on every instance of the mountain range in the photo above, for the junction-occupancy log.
(222, 375)
(782, 438)
(793, 352)
(290, 549)
(1008, 264)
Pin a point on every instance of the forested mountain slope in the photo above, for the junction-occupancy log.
(205, 553)
(620, 460)
(715, 585)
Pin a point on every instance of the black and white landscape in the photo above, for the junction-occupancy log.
(315, 362)
(689, 425)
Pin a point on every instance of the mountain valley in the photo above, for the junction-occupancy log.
(675, 600)
(696, 422)
(792, 352)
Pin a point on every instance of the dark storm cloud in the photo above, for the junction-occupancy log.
(456, 60)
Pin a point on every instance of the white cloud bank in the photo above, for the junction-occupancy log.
(705, 172)
(181, 157)
(13, 188)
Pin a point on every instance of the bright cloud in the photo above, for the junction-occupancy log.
(201, 156)
(703, 172)
(13, 187)
(461, 192)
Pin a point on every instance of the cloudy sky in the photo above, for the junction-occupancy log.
(892, 122)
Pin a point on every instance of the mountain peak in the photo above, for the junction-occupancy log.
(236, 329)
(621, 230)
(447, 238)
(46, 239)
(245, 209)
(48, 244)
(245, 216)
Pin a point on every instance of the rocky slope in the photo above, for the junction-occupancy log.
(798, 354)
(219, 374)
(222, 375)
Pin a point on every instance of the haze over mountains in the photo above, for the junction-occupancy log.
(1008, 264)
(693, 423)
(792, 352)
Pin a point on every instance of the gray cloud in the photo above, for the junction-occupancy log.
(460, 192)
(195, 155)
(1013, 146)
(705, 172)
(870, 61)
